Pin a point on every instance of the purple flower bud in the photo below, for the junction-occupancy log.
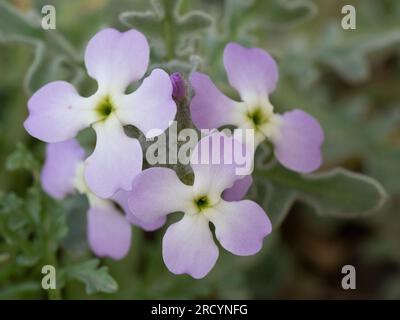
(179, 87)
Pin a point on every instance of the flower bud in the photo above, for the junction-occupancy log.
(179, 86)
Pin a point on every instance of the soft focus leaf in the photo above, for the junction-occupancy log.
(49, 47)
(21, 158)
(338, 192)
(171, 32)
(277, 199)
(95, 279)
(9, 203)
(286, 13)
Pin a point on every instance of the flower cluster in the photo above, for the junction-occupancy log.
(109, 231)
(113, 174)
(296, 135)
(115, 60)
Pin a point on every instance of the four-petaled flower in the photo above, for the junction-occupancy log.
(188, 245)
(297, 136)
(109, 232)
(57, 112)
(115, 60)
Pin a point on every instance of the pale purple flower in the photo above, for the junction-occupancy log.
(238, 190)
(114, 59)
(296, 135)
(188, 245)
(109, 232)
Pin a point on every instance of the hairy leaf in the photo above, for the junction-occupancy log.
(338, 193)
(49, 46)
(173, 35)
(21, 158)
(95, 279)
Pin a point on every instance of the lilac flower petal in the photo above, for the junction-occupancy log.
(240, 226)
(109, 233)
(210, 108)
(298, 144)
(238, 190)
(121, 197)
(151, 106)
(188, 247)
(116, 59)
(58, 173)
(217, 161)
(57, 113)
(157, 192)
(252, 72)
(115, 161)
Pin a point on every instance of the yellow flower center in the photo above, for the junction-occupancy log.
(258, 117)
(202, 203)
(105, 108)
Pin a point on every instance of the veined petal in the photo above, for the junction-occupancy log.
(238, 190)
(157, 192)
(121, 197)
(57, 112)
(60, 167)
(109, 233)
(151, 106)
(217, 162)
(298, 142)
(240, 226)
(210, 108)
(251, 71)
(115, 161)
(188, 247)
(116, 59)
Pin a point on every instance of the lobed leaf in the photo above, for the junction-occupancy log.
(172, 34)
(49, 46)
(21, 159)
(95, 279)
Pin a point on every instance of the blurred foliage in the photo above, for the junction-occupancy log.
(347, 79)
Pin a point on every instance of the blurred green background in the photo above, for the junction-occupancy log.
(348, 79)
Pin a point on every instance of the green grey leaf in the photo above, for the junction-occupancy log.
(384, 165)
(351, 66)
(15, 23)
(95, 279)
(49, 46)
(168, 29)
(339, 192)
(14, 290)
(17, 221)
(278, 202)
(148, 21)
(58, 227)
(33, 204)
(9, 203)
(21, 158)
(343, 193)
(194, 21)
(286, 13)
(27, 260)
(368, 139)
(348, 56)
